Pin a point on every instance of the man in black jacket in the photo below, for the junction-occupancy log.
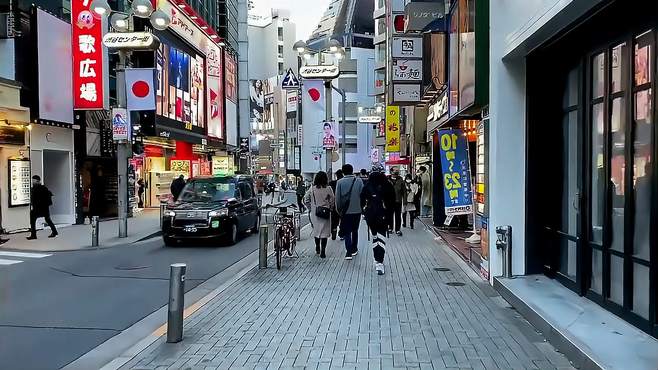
(378, 203)
(177, 187)
(41, 200)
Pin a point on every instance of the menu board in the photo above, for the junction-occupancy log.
(19, 182)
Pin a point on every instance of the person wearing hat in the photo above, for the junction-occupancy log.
(40, 201)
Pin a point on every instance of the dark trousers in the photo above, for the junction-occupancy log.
(349, 229)
(378, 241)
(335, 221)
(396, 220)
(412, 216)
(300, 203)
(33, 222)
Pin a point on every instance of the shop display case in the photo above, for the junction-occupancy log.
(158, 185)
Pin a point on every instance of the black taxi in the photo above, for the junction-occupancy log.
(212, 208)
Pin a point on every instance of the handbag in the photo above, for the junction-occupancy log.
(321, 211)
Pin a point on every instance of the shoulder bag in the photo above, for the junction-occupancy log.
(321, 211)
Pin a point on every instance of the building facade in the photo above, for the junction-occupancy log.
(573, 148)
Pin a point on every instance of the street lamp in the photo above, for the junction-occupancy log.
(334, 48)
(121, 22)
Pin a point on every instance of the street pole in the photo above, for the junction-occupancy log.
(328, 152)
(343, 123)
(123, 150)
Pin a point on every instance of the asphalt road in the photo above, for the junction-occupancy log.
(56, 308)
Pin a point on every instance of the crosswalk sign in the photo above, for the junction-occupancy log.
(290, 81)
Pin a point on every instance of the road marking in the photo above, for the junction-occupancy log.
(24, 255)
(9, 262)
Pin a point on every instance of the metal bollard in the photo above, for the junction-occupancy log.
(298, 226)
(94, 231)
(176, 302)
(504, 242)
(262, 247)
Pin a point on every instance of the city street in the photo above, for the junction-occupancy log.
(54, 307)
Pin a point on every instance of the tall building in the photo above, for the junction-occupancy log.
(271, 37)
(229, 13)
(349, 22)
(243, 81)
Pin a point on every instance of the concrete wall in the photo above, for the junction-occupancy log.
(516, 28)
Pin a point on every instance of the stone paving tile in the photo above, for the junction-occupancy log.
(337, 314)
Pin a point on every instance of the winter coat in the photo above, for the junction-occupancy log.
(398, 188)
(319, 197)
(379, 189)
(41, 199)
(426, 198)
(177, 187)
(409, 200)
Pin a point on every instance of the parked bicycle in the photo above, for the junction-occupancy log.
(286, 222)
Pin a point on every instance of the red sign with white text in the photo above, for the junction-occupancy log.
(87, 47)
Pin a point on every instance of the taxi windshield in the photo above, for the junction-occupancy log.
(209, 190)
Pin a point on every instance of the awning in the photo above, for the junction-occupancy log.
(398, 162)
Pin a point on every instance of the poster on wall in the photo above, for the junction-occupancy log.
(215, 92)
(328, 135)
(19, 182)
(457, 191)
(220, 166)
(256, 103)
(180, 93)
(181, 167)
(392, 129)
(120, 124)
(231, 99)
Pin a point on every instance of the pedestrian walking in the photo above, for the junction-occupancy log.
(335, 217)
(177, 186)
(320, 202)
(399, 192)
(141, 187)
(40, 201)
(426, 197)
(409, 204)
(348, 205)
(378, 202)
(300, 191)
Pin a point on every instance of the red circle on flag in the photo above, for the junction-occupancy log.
(314, 93)
(140, 89)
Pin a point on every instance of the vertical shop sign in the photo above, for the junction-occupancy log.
(457, 190)
(214, 91)
(88, 58)
(392, 129)
(120, 124)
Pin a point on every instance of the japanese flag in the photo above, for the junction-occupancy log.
(140, 90)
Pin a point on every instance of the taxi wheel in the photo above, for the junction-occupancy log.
(233, 236)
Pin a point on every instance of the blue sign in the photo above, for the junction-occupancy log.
(290, 81)
(457, 188)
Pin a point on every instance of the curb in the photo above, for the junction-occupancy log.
(113, 353)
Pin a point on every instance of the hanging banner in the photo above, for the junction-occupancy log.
(120, 124)
(88, 61)
(392, 129)
(457, 190)
(328, 135)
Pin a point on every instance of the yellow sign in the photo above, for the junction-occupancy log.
(392, 129)
(220, 166)
(180, 167)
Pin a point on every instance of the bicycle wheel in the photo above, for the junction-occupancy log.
(278, 246)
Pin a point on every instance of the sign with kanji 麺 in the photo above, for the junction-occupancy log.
(131, 40)
(290, 81)
(319, 72)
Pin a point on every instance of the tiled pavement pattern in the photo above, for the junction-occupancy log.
(337, 314)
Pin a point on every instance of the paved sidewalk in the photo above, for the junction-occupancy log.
(337, 314)
(75, 237)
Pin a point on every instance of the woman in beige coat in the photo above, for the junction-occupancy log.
(320, 195)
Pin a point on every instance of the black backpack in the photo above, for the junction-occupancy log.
(375, 211)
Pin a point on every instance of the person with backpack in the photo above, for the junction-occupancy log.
(399, 196)
(320, 202)
(40, 201)
(348, 205)
(378, 203)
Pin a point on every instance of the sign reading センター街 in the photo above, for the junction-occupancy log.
(392, 129)
(88, 60)
(457, 189)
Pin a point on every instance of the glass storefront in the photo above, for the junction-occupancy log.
(592, 191)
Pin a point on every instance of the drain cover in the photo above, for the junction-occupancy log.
(129, 268)
(442, 269)
(455, 283)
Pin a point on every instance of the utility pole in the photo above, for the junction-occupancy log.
(343, 123)
(123, 149)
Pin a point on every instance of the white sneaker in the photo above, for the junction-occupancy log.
(379, 267)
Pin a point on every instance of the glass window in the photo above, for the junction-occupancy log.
(598, 76)
(617, 172)
(571, 89)
(643, 58)
(617, 279)
(466, 53)
(454, 62)
(570, 174)
(619, 68)
(596, 283)
(643, 195)
(598, 175)
(641, 290)
(380, 27)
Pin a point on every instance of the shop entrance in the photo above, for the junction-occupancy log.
(592, 189)
(56, 168)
